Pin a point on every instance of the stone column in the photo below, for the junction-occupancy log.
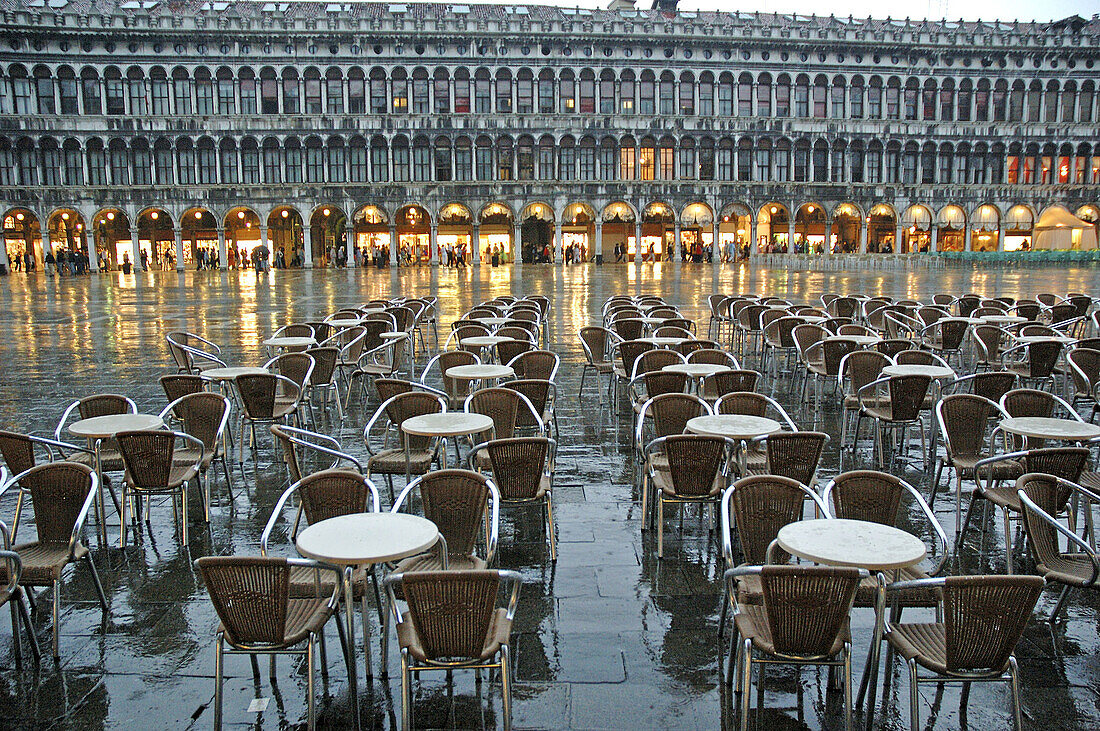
(753, 251)
(933, 242)
(557, 251)
(178, 232)
(433, 245)
(828, 248)
(89, 246)
(307, 247)
(715, 248)
(266, 244)
(1000, 236)
(4, 254)
(475, 243)
(135, 250)
(597, 248)
(677, 243)
(897, 237)
(517, 243)
(790, 236)
(864, 235)
(637, 242)
(223, 251)
(393, 244)
(968, 242)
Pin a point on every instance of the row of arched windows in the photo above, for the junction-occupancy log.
(377, 90)
(271, 160)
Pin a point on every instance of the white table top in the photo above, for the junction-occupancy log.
(811, 319)
(105, 427)
(446, 424)
(651, 320)
(936, 372)
(1003, 319)
(860, 543)
(1063, 339)
(484, 341)
(344, 322)
(661, 340)
(228, 374)
(393, 335)
(734, 426)
(475, 371)
(366, 538)
(288, 342)
(1042, 427)
(697, 370)
(492, 321)
(857, 339)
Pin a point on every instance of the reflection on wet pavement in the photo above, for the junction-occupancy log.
(607, 638)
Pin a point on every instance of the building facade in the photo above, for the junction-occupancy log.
(179, 131)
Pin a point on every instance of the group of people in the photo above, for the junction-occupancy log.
(451, 255)
(64, 262)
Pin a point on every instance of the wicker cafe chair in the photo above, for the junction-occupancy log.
(18, 451)
(192, 353)
(61, 494)
(259, 617)
(503, 406)
(456, 390)
(803, 620)
(261, 403)
(697, 472)
(859, 368)
(324, 377)
(717, 385)
(452, 622)
(204, 416)
(322, 495)
(297, 444)
(793, 454)
(1041, 500)
(523, 471)
(669, 414)
(1066, 463)
(176, 385)
(11, 593)
(893, 402)
(412, 454)
(536, 364)
(984, 617)
(154, 468)
(963, 421)
(298, 367)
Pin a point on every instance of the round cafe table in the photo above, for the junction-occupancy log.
(448, 423)
(98, 428)
(1003, 319)
(1042, 427)
(663, 341)
(221, 375)
(933, 372)
(862, 544)
(365, 539)
(480, 372)
(342, 323)
(491, 321)
(861, 340)
(484, 341)
(1028, 339)
(734, 426)
(290, 342)
(696, 371)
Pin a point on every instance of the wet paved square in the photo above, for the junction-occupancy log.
(609, 637)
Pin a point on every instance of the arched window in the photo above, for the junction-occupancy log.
(292, 154)
(837, 153)
(525, 92)
(1016, 101)
(837, 93)
(402, 163)
(873, 164)
(567, 93)
(963, 101)
(505, 161)
(358, 159)
(185, 161)
(97, 161)
(91, 94)
(8, 175)
(204, 92)
(378, 98)
(357, 91)
(462, 91)
(983, 100)
(227, 154)
(483, 91)
(69, 90)
(928, 100)
(855, 98)
(667, 94)
(764, 96)
(546, 158)
(273, 166)
(782, 161)
(647, 159)
(464, 159)
(647, 93)
(856, 160)
(909, 159)
(1085, 103)
(44, 89)
(207, 162)
(114, 91)
(687, 93)
(783, 96)
(250, 161)
(801, 161)
(269, 91)
(334, 91)
(141, 162)
(399, 90)
(607, 91)
(312, 80)
(744, 95)
(874, 98)
(821, 90)
(163, 166)
(744, 159)
(442, 159)
(706, 94)
(567, 159)
(1069, 102)
(724, 159)
(588, 92)
(706, 158)
(422, 159)
(928, 164)
(379, 160)
(802, 96)
(421, 104)
(627, 161)
(609, 157)
(763, 162)
(667, 158)
(911, 100)
(1000, 101)
(893, 98)
(27, 159)
(247, 84)
(1050, 102)
(51, 161)
(441, 89)
(586, 158)
(74, 163)
(525, 158)
(546, 91)
(725, 95)
(687, 159)
(483, 158)
(337, 160)
(291, 92)
(227, 93)
(945, 173)
(821, 162)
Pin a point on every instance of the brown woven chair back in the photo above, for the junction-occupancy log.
(748, 317)
(595, 339)
(58, 493)
(541, 364)
(795, 454)
(1042, 357)
(407, 405)
(916, 357)
(681, 322)
(373, 330)
(257, 392)
(290, 453)
(403, 317)
(148, 457)
(744, 403)
(658, 382)
(834, 351)
(952, 333)
(892, 346)
(761, 505)
(455, 500)
(843, 307)
(1028, 309)
(907, 396)
(628, 328)
(713, 356)
(331, 493)
(967, 305)
(389, 387)
(630, 351)
(537, 392)
(324, 360)
(867, 495)
(1029, 402)
(451, 610)
(1062, 311)
(807, 606)
(654, 360)
(103, 404)
(1065, 462)
(502, 405)
(509, 349)
(694, 462)
(17, 451)
(295, 366)
(524, 314)
(806, 335)
(518, 465)
(1081, 304)
(297, 330)
(965, 417)
(671, 331)
(984, 617)
(930, 315)
(1051, 497)
(201, 414)
(1041, 330)
(672, 411)
(853, 329)
(1088, 361)
(455, 388)
(865, 366)
(356, 344)
(322, 330)
(181, 384)
(992, 384)
(250, 595)
(724, 382)
(781, 331)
